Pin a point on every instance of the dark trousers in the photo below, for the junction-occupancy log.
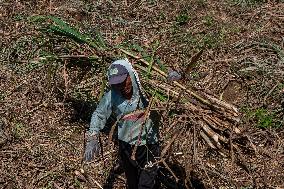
(140, 173)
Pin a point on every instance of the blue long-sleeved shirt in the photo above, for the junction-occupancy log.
(129, 113)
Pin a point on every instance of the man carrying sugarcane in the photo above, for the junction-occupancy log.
(137, 134)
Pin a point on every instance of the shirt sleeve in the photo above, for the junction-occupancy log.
(101, 114)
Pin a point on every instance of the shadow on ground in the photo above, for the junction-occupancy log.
(165, 177)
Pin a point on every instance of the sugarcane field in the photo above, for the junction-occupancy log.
(120, 94)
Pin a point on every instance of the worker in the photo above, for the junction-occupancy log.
(126, 100)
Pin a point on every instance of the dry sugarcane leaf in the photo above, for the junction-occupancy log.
(193, 61)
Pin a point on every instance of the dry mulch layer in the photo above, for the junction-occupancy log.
(46, 104)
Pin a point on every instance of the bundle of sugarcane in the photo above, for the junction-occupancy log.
(216, 118)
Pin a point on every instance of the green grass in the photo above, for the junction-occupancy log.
(77, 183)
(208, 20)
(182, 18)
(262, 117)
(19, 130)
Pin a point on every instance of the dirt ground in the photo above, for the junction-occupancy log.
(46, 104)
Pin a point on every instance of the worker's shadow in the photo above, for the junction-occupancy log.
(115, 171)
(81, 111)
(175, 176)
(165, 177)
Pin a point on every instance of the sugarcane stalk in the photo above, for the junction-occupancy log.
(166, 148)
(206, 138)
(215, 136)
(199, 98)
(223, 104)
(111, 133)
(146, 115)
(212, 124)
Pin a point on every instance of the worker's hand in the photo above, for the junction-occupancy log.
(92, 148)
(173, 75)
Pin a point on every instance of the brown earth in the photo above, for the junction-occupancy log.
(45, 107)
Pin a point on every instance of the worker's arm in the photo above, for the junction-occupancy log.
(100, 115)
(98, 121)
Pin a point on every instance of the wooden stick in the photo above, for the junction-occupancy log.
(223, 104)
(167, 166)
(111, 133)
(215, 136)
(269, 93)
(102, 150)
(231, 148)
(210, 134)
(194, 145)
(166, 148)
(206, 138)
(56, 185)
(65, 76)
(146, 115)
(209, 122)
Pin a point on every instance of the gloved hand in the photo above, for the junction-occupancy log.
(92, 148)
(173, 75)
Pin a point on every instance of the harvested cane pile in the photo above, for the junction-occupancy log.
(212, 120)
(216, 118)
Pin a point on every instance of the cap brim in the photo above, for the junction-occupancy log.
(117, 79)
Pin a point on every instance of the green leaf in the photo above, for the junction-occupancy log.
(59, 27)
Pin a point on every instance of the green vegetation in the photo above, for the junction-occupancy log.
(77, 183)
(262, 117)
(208, 20)
(19, 130)
(182, 18)
(58, 26)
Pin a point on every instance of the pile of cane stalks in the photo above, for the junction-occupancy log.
(217, 119)
(211, 120)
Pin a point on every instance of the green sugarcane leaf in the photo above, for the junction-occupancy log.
(58, 26)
